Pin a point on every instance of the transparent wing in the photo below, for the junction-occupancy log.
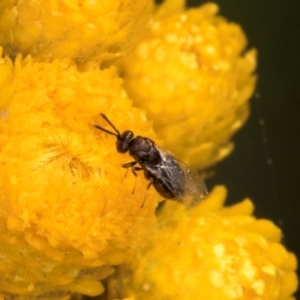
(186, 184)
(195, 188)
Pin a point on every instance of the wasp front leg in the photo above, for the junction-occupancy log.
(133, 167)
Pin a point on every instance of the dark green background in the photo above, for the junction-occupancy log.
(265, 165)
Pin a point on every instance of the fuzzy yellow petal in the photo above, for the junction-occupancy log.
(67, 208)
(191, 74)
(209, 254)
(83, 30)
(6, 82)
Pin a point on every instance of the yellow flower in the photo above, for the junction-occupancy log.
(83, 30)
(67, 209)
(209, 252)
(191, 74)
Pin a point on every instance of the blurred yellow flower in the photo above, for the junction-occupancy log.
(6, 81)
(191, 74)
(67, 209)
(83, 30)
(209, 252)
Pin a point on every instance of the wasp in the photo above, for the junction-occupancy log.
(171, 178)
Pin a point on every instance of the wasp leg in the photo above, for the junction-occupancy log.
(129, 165)
(133, 168)
(150, 183)
(148, 187)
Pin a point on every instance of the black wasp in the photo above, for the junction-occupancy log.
(171, 178)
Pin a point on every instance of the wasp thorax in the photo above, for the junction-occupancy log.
(123, 141)
(143, 150)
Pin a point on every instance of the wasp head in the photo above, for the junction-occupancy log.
(123, 139)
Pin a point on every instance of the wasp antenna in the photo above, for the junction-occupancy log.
(110, 123)
(105, 130)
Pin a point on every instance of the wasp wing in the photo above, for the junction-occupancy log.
(185, 184)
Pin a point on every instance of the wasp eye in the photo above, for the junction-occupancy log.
(123, 141)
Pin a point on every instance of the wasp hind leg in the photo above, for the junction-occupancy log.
(148, 187)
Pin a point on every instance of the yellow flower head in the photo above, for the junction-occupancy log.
(209, 252)
(83, 30)
(67, 207)
(191, 74)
